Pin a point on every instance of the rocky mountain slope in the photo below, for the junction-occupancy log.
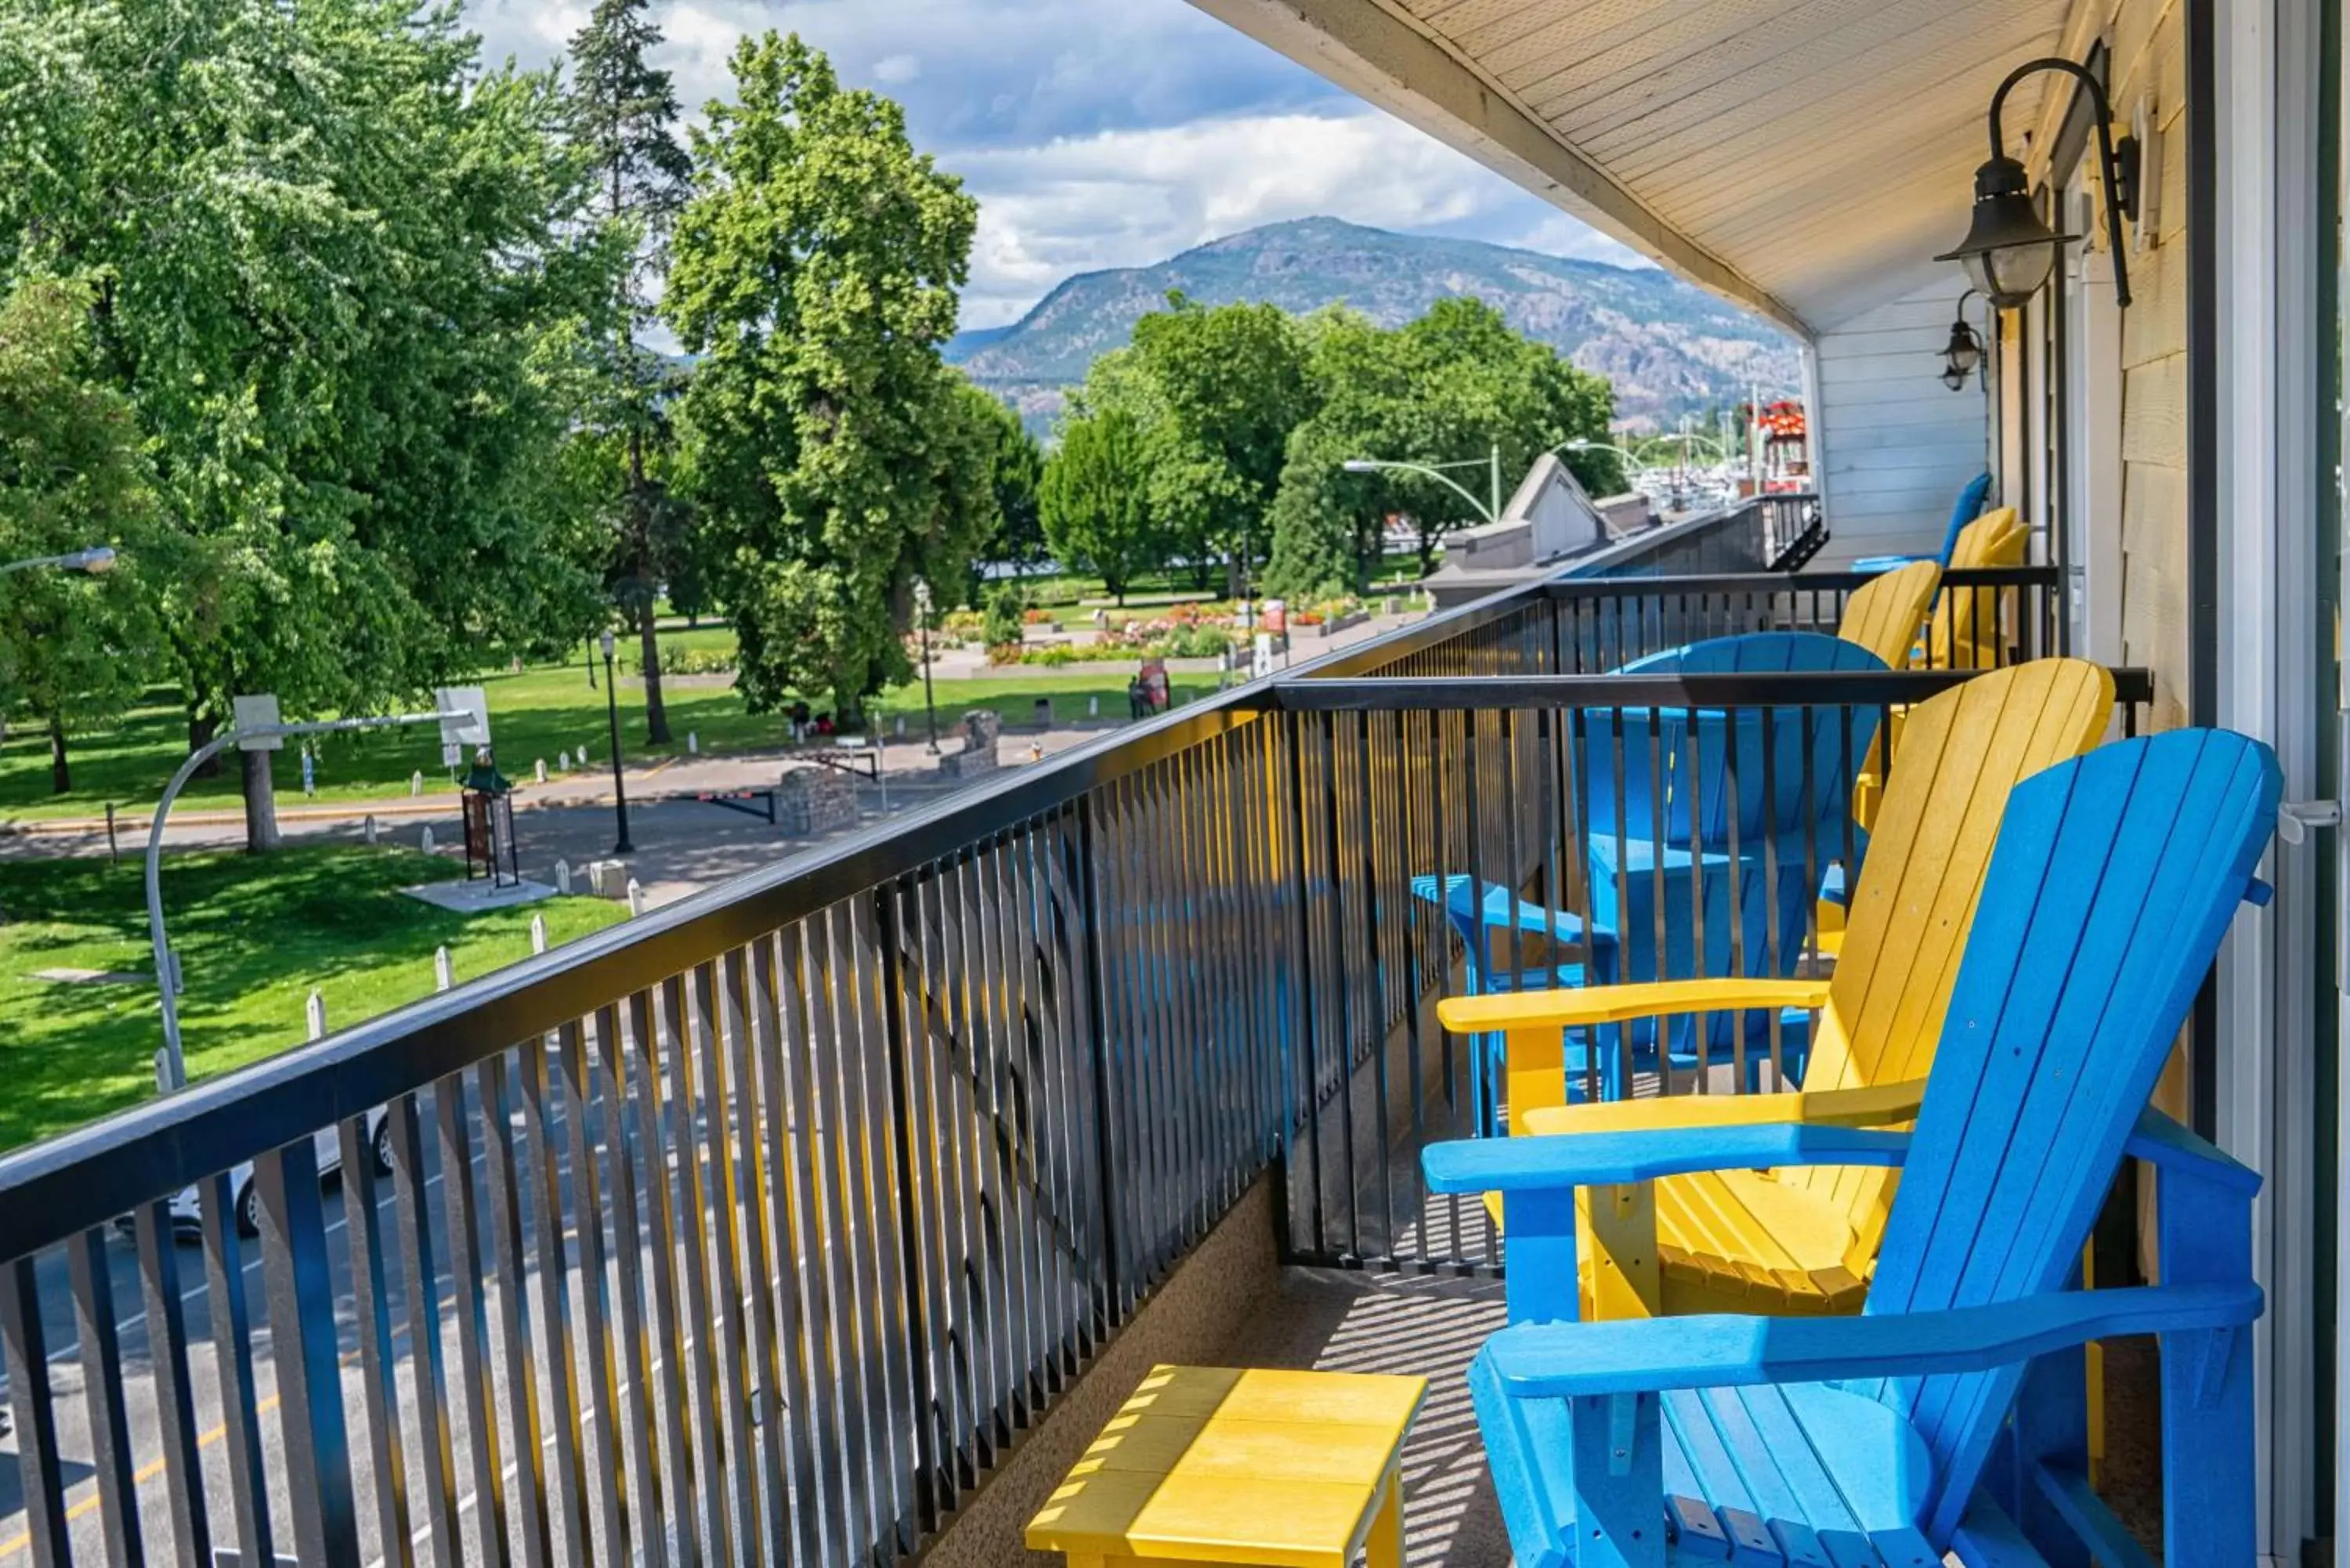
(1668, 347)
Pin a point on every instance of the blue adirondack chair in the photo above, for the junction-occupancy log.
(1971, 503)
(1720, 823)
(1949, 1417)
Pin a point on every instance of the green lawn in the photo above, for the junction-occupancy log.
(542, 711)
(255, 938)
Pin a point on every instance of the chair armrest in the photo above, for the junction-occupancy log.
(1874, 1105)
(1591, 1005)
(1557, 1361)
(1612, 1158)
(2167, 1146)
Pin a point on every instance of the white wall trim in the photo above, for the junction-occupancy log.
(2249, 596)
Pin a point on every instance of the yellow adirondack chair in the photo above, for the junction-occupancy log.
(1885, 616)
(1805, 1240)
(1965, 629)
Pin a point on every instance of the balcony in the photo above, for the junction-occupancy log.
(808, 1220)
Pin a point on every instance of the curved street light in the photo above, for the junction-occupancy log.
(96, 561)
(1374, 465)
(172, 1066)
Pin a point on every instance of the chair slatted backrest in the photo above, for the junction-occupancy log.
(1780, 768)
(2114, 880)
(1965, 632)
(1886, 616)
(1969, 506)
(1961, 755)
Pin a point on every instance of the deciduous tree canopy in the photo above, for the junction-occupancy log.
(340, 279)
(816, 271)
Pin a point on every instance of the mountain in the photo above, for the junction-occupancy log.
(1670, 347)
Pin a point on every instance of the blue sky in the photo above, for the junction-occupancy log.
(1098, 133)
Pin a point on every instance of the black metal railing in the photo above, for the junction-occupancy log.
(1578, 625)
(1465, 833)
(758, 1228)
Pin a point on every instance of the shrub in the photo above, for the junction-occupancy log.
(1007, 611)
(700, 661)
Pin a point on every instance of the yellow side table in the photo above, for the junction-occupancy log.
(1209, 1464)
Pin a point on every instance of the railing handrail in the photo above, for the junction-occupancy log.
(1454, 693)
(1569, 588)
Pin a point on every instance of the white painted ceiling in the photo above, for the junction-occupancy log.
(1819, 150)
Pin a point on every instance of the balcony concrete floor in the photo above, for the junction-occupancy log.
(1337, 1321)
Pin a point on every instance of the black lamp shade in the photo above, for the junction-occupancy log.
(1955, 379)
(2007, 252)
(1964, 350)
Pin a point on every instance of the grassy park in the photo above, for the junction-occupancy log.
(255, 938)
(540, 711)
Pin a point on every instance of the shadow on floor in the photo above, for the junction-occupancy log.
(1355, 1322)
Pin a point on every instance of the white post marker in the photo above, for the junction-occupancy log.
(1093, 707)
(539, 767)
(563, 878)
(424, 841)
(444, 973)
(538, 933)
(693, 743)
(636, 898)
(368, 828)
(316, 1009)
(563, 761)
(415, 784)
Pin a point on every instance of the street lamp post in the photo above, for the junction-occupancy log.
(620, 784)
(1490, 513)
(171, 1066)
(929, 698)
(96, 561)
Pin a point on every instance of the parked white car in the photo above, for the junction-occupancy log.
(187, 1206)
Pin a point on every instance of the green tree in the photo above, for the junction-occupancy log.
(73, 651)
(1444, 391)
(1016, 469)
(1097, 508)
(815, 270)
(1231, 382)
(623, 121)
(341, 276)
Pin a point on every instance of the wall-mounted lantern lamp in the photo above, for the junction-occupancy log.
(2009, 251)
(1962, 355)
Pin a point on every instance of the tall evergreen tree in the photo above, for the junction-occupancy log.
(624, 117)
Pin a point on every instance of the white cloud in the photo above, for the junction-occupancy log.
(1095, 134)
(1131, 198)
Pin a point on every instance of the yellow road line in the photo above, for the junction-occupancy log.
(152, 1468)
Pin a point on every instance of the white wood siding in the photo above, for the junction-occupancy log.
(1896, 445)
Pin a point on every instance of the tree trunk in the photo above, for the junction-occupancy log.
(61, 770)
(649, 635)
(649, 651)
(261, 834)
(202, 728)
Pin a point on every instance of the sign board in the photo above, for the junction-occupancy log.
(1154, 683)
(1260, 657)
(256, 713)
(473, 727)
(452, 754)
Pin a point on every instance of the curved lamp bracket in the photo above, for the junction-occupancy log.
(2118, 163)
